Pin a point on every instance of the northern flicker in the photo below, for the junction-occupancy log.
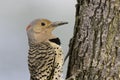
(45, 57)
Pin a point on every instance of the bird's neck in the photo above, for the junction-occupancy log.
(38, 38)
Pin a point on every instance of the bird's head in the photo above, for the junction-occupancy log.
(40, 30)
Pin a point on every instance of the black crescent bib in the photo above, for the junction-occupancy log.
(55, 40)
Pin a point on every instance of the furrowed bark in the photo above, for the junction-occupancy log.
(94, 50)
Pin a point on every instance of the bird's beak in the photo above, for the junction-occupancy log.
(58, 23)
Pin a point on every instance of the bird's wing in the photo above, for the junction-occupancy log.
(41, 62)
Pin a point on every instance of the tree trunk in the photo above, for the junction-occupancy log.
(94, 52)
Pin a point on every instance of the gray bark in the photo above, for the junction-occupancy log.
(94, 52)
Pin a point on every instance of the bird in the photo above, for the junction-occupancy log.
(45, 55)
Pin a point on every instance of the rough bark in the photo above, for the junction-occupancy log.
(94, 52)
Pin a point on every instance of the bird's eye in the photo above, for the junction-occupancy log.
(43, 24)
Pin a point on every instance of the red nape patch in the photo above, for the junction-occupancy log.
(28, 27)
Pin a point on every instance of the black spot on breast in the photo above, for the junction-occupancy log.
(55, 40)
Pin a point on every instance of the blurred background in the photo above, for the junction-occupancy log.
(15, 15)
